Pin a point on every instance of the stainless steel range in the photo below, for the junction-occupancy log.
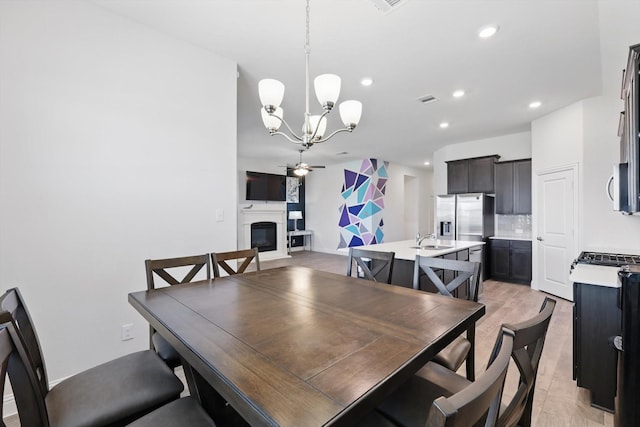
(607, 259)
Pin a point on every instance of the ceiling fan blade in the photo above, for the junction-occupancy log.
(318, 167)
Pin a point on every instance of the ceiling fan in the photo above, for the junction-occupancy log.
(301, 168)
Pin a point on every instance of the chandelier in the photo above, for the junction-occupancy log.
(327, 88)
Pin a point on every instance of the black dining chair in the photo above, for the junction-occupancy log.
(462, 281)
(184, 412)
(420, 402)
(170, 270)
(407, 404)
(219, 260)
(373, 265)
(114, 393)
(529, 342)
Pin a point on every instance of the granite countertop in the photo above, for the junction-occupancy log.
(404, 251)
(527, 239)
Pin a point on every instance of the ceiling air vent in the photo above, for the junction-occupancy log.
(387, 6)
(427, 99)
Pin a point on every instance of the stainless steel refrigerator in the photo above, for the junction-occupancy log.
(467, 217)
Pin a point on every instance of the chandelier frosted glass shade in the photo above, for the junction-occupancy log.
(350, 113)
(271, 93)
(327, 88)
(271, 121)
(315, 122)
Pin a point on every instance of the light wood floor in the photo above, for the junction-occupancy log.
(558, 401)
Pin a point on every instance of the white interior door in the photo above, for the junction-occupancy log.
(556, 235)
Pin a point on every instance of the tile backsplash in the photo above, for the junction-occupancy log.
(518, 226)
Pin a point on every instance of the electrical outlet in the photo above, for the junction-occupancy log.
(219, 215)
(127, 332)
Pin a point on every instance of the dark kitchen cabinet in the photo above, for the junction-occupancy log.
(471, 175)
(504, 187)
(481, 175)
(499, 259)
(511, 260)
(513, 187)
(596, 318)
(458, 177)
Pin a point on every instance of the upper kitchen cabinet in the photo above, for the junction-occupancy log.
(471, 175)
(513, 187)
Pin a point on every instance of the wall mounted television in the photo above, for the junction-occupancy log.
(266, 187)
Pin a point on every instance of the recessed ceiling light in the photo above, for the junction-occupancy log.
(427, 163)
(535, 104)
(458, 94)
(487, 31)
(367, 81)
(444, 125)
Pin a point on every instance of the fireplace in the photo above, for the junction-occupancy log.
(263, 235)
(274, 213)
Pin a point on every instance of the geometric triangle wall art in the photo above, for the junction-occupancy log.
(363, 190)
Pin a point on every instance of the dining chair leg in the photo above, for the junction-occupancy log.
(470, 362)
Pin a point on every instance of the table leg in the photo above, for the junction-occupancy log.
(470, 362)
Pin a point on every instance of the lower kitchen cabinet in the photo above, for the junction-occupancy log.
(596, 320)
(511, 260)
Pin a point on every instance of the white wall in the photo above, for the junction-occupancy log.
(604, 229)
(585, 134)
(323, 200)
(117, 144)
(508, 147)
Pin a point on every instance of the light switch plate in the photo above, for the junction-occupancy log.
(219, 215)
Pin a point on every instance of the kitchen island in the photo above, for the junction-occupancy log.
(406, 252)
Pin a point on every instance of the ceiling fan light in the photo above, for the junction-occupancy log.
(350, 113)
(271, 93)
(270, 122)
(300, 171)
(327, 88)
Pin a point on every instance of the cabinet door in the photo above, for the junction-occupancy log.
(522, 187)
(504, 187)
(597, 319)
(458, 177)
(481, 175)
(500, 259)
(520, 262)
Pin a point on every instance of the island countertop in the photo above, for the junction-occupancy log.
(404, 250)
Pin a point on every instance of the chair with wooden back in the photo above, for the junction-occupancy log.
(406, 405)
(219, 259)
(374, 265)
(527, 350)
(170, 270)
(460, 273)
(114, 393)
(419, 402)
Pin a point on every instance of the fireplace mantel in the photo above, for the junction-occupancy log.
(265, 213)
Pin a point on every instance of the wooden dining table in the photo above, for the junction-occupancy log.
(294, 346)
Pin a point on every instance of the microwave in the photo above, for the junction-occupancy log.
(618, 188)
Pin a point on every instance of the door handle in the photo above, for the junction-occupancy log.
(540, 239)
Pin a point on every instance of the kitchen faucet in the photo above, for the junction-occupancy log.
(420, 238)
